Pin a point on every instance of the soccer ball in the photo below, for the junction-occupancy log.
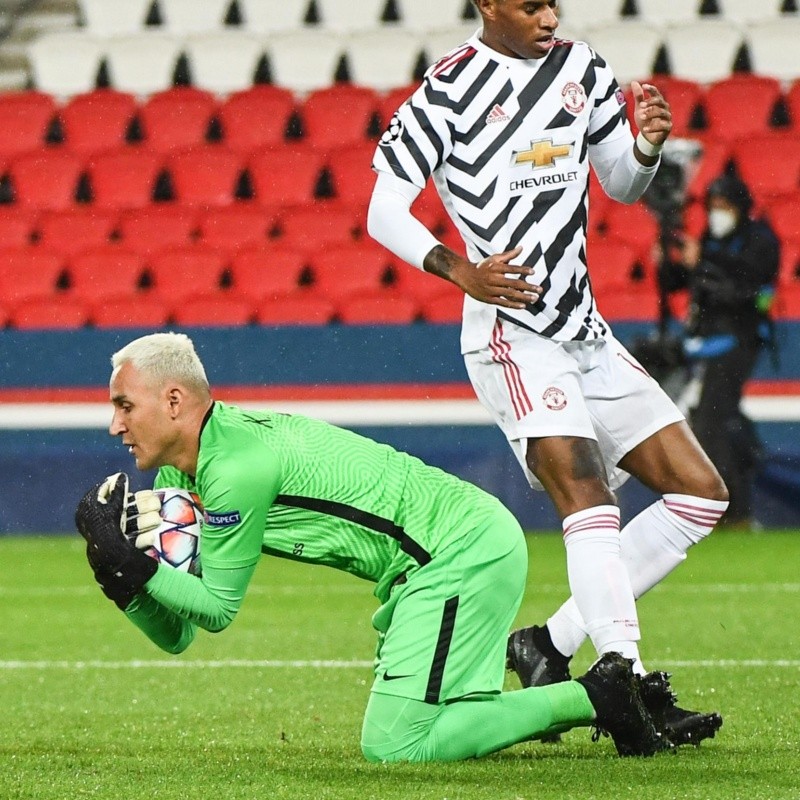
(176, 542)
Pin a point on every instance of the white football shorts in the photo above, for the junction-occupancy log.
(536, 387)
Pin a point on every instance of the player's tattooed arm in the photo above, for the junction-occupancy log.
(493, 280)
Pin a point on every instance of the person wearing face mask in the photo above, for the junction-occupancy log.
(730, 272)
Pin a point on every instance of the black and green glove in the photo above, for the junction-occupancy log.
(101, 517)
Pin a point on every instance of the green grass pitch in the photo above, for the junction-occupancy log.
(271, 708)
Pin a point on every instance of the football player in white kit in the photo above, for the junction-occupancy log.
(507, 126)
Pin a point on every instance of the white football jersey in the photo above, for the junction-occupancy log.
(508, 143)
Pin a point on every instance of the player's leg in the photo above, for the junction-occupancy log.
(533, 388)
(402, 729)
(440, 667)
(669, 461)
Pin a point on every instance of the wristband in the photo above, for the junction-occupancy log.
(647, 148)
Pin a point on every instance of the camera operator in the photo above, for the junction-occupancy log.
(730, 272)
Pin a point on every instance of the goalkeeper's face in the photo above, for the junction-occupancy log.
(145, 417)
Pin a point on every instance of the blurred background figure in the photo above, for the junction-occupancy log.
(730, 273)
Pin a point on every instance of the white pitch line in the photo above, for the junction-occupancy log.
(359, 589)
(723, 663)
(161, 664)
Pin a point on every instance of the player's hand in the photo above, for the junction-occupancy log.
(494, 280)
(651, 112)
(143, 517)
(101, 518)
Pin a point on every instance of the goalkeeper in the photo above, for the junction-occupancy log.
(448, 561)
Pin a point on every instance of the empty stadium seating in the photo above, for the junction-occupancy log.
(74, 230)
(265, 272)
(176, 117)
(110, 17)
(272, 106)
(151, 228)
(109, 272)
(263, 157)
(45, 179)
(124, 178)
(205, 175)
(338, 116)
(27, 117)
(223, 61)
(98, 120)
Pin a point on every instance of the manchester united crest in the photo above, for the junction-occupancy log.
(574, 97)
(554, 398)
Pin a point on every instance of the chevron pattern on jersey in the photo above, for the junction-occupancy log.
(518, 177)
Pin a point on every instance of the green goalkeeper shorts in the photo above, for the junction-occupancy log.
(443, 632)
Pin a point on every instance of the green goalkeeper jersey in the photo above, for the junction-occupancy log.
(303, 489)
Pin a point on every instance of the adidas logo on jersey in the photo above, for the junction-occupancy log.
(497, 115)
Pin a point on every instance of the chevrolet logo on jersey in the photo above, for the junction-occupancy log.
(543, 153)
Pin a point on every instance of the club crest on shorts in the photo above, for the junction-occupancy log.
(554, 398)
(574, 97)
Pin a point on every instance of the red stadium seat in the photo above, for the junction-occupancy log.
(76, 229)
(793, 105)
(271, 106)
(415, 283)
(236, 226)
(26, 119)
(143, 310)
(110, 272)
(391, 101)
(769, 165)
(741, 105)
(263, 273)
(285, 175)
(47, 179)
(378, 307)
(612, 264)
(219, 309)
(125, 178)
(351, 172)
(314, 226)
(445, 307)
(153, 228)
(205, 175)
(97, 120)
(301, 307)
(177, 118)
(55, 312)
(17, 226)
(339, 115)
(344, 270)
(635, 225)
(28, 272)
(784, 214)
(628, 303)
(180, 272)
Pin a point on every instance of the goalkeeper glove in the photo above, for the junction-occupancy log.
(142, 518)
(101, 517)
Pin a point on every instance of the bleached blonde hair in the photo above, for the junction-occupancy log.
(164, 357)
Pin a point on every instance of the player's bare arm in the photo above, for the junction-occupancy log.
(493, 280)
(653, 119)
